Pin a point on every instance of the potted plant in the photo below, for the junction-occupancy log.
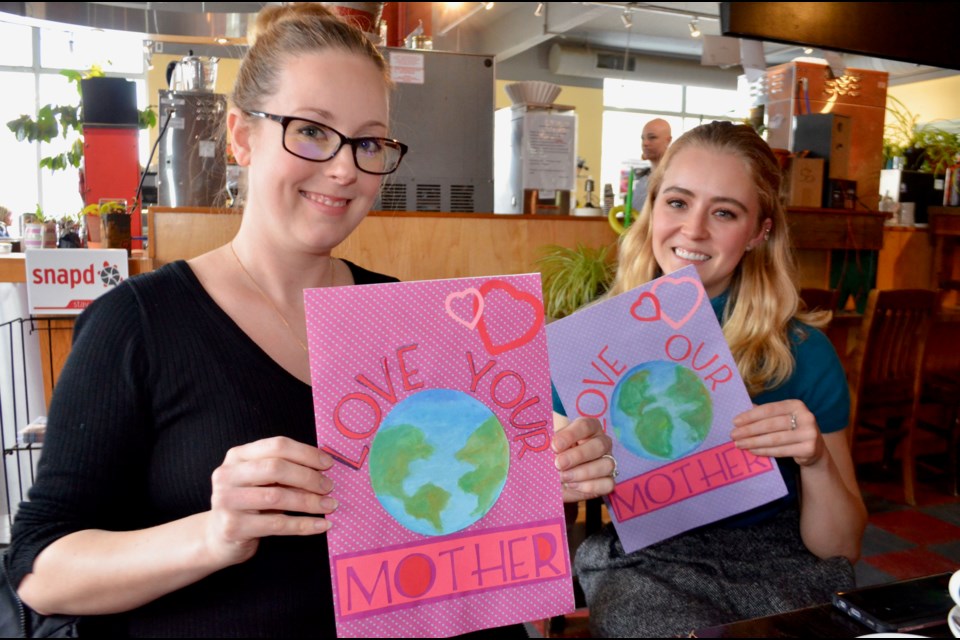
(39, 231)
(940, 149)
(900, 137)
(573, 277)
(114, 224)
(68, 232)
(64, 121)
(926, 148)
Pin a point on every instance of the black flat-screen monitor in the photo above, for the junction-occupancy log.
(921, 32)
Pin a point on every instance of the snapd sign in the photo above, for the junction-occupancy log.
(66, 281)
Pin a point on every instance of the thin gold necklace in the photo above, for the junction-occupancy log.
(271, 303)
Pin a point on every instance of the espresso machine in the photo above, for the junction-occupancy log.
(192, 164)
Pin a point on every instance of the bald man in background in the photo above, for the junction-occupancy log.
(656, 137)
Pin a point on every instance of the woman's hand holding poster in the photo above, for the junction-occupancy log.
(653, 366)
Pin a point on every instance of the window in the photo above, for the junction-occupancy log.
(16, 45)
(29, 83)
(21, 191)
(630, 104)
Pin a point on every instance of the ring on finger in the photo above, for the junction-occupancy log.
(615, 472)
(793, 422)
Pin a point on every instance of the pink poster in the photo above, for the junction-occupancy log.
(434, 398)
(653, 366)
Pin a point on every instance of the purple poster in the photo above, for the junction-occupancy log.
(653, 366)
(434, 398)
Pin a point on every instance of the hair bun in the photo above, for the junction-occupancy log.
(272, 15)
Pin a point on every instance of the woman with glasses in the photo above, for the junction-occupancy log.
(181, 491)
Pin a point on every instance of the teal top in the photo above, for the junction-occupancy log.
(818, 380)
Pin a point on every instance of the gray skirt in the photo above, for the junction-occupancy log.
(707, 577)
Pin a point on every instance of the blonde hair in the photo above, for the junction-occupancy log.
(282, 31)
(763, 296)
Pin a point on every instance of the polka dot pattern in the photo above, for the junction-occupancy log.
(575, 342)
(351, 332)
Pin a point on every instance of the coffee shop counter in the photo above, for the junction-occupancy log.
(408, 245)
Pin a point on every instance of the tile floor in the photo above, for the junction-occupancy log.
(900, 541)
(905, 542)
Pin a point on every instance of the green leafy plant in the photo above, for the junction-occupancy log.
(573, 277)
(940, 148)
(924, 147)
(64, 121)
(900, 129)
(38, 216)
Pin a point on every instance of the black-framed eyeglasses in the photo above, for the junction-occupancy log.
(318, 142)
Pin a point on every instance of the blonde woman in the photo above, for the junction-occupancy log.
(714, 203)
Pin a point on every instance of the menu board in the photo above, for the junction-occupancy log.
(653, 366)
(434, 399)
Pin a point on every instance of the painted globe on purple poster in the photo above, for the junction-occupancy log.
(661, 410)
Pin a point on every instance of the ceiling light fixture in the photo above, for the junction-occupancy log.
(627, 19)
(807, 50)
(539, 10)
(694, 29)
(488, 5)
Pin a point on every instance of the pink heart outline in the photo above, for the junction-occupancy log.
(477, 307)
(676, 324)
(657, 311)
(519, 296)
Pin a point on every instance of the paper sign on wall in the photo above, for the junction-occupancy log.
(653, 366)
(434, 398)
(66, 281)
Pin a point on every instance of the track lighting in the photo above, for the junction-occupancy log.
(627, 19)
(539, 10)
(694, 29)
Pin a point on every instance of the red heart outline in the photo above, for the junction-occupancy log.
(676, 324)
(520, 296)
(647, 295)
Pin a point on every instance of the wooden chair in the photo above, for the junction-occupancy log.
(939, 414)
(886, 378)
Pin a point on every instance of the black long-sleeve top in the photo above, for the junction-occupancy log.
(159, 385)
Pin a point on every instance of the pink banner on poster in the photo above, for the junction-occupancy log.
(434, 397)
(686, 478)
(457, 566)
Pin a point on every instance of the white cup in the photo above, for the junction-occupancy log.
(908, 213)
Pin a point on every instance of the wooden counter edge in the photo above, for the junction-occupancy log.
(397, 214)
(13, 267)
